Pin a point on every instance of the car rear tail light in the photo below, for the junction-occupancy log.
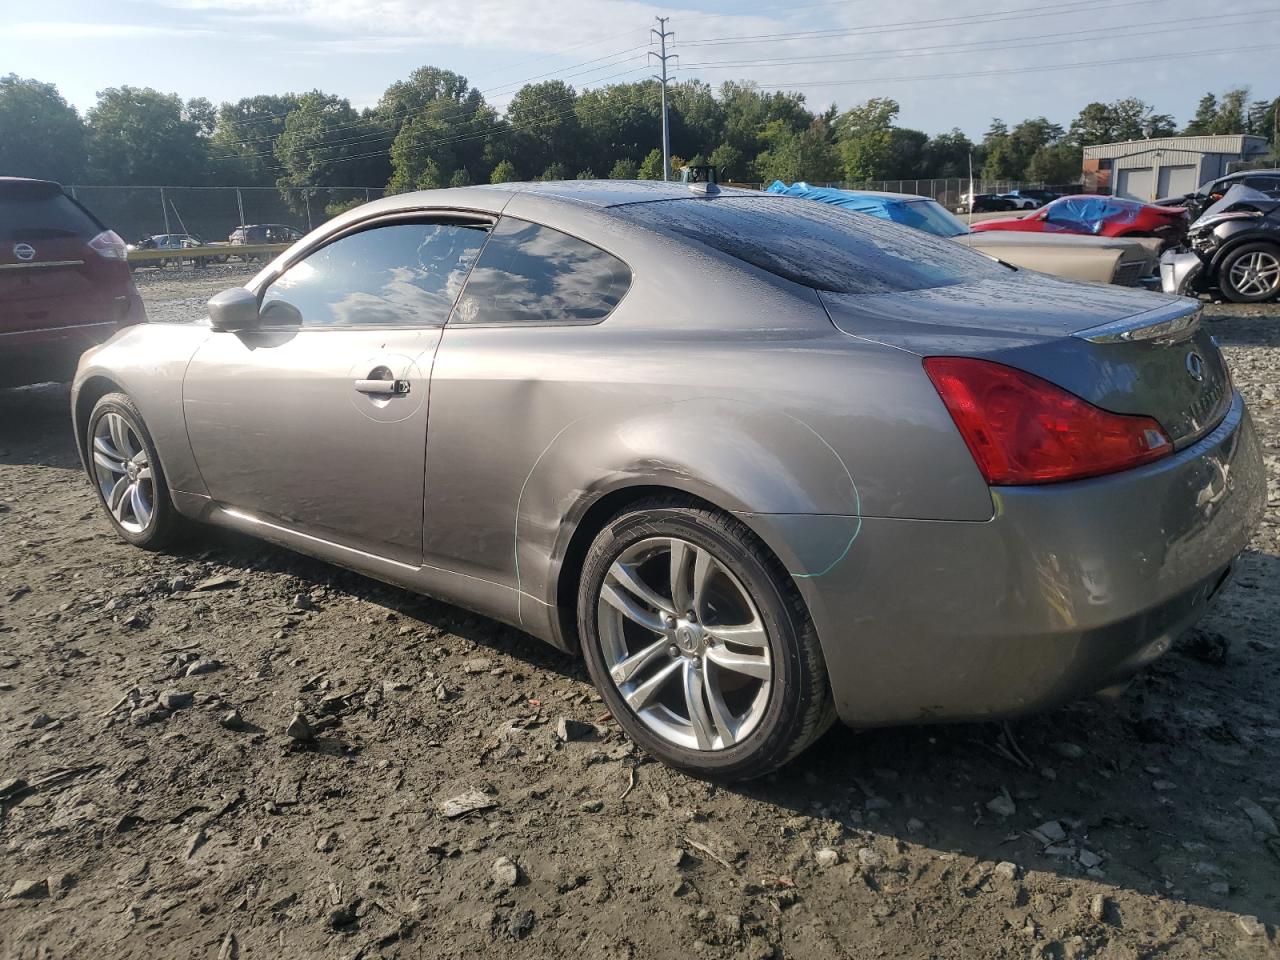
(108, 244)
(1024, 430)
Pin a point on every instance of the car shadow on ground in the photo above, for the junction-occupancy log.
(35, 426)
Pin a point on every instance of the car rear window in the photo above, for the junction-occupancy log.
(25, 218)
(815, 244)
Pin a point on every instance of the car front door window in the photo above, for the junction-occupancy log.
(402, 274)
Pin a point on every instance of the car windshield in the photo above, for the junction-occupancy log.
(815, 244)
(1236, 195)
(929, 216)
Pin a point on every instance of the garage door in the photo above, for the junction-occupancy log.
(1177, 181)
(1135, 183)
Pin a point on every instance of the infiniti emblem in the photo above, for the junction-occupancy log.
(1195, 366)
(24, 251)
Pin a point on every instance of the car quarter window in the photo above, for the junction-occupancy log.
(405, 274)
(531, 274)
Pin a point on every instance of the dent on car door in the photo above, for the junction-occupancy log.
(316, 420)
(507, 380)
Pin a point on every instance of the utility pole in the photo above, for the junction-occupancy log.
(662, 34)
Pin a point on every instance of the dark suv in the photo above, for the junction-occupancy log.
(64, 282)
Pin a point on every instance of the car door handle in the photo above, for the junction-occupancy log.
(393, 388)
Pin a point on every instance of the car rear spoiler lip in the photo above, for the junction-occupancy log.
(1167, 323)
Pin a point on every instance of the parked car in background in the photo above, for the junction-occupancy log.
(265, 233)
(986, 203)
(761, 461)
(1127, 262)
(1041, 197)
(257, 233)
(1021, 202)
(177, 242)
(1207, 194)
(64, 282)
(1098, 216)
(1234, 248)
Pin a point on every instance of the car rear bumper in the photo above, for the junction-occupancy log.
(1180, 272)
(1065, 590)
(50, 352)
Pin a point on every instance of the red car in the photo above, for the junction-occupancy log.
(64, 282)
(1098, 216)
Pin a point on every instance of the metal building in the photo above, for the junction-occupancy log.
(1165, 167)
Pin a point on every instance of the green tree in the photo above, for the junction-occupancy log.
(504, 172)
(1058, 163)
(1125, 119)
(624, 170)
(697, 117)
(141, 136)
(865, 137)
(907, 157)
(947, 155)
(240, 149)
(620, 121)
(651, 167)
(1203, 121)
(40, 133)
(435, 118)
(1232, 107)
(545, 130)
(557, 171)
(1009, 154)
(790, 156)
(326, 143)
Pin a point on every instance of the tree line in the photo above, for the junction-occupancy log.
(434, 129)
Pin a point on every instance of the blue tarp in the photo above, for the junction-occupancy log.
(881, 207)
(1089, 214)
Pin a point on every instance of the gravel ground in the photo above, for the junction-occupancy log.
(154, 806)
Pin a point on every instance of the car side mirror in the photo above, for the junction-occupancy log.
(234, 310)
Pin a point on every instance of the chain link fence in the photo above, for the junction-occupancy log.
(211, 213)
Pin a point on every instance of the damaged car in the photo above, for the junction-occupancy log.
(761, 463)
(1234, 249)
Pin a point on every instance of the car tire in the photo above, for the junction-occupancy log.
(1251, 273)
(120, 456)
(730, 709)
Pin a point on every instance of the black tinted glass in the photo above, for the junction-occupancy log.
(816, 244)
(43, 218)
(533, 274)
(404, 273)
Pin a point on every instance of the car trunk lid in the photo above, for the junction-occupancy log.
(1123, 350)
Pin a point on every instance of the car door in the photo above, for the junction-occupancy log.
(517, 330)
(316, 419)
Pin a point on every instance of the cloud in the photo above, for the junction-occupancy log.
(88, 30)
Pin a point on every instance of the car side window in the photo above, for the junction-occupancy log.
(531, 274)
(404, 274)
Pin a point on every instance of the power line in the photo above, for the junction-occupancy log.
(952, 49)
(1031, 69)
(996, 16)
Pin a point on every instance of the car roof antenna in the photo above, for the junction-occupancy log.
(700, 179)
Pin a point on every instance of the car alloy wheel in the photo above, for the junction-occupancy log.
(684, 644)
(123, 472)
(1255, 275)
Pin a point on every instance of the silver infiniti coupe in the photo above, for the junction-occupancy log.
(761, 461)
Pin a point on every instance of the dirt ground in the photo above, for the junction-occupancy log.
(153, 805)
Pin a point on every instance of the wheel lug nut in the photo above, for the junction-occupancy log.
(618, 675)
(673, 650)
(692, 617)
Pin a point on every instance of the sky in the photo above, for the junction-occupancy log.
(947, 64)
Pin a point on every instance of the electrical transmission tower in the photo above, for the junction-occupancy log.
(663, 34)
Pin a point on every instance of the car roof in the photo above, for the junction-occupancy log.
(29, 186)
(1240, 174)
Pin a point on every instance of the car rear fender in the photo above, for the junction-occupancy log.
(732, 454)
